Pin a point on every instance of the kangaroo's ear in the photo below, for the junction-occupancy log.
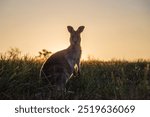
(70, 29)
(80, 29)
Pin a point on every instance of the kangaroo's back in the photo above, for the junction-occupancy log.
(56, 63)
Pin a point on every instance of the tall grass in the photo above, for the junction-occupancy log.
(19, 79)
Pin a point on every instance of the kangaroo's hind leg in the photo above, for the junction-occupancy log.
(60, 85)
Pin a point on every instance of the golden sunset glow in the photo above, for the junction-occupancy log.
(113, 28)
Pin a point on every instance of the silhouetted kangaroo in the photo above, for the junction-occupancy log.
(60, 66)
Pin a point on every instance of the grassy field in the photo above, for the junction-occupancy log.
(19, 79)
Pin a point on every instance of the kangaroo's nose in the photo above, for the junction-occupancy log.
(75, 41)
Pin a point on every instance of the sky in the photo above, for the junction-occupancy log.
(114, 29)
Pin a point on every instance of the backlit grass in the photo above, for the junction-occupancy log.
(19, 79)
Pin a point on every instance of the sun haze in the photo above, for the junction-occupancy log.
(113, 28)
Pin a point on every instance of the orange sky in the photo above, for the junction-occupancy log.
(113, 28)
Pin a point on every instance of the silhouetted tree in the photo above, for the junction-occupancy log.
(44, 54)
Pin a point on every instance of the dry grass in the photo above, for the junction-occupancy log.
(19, 79)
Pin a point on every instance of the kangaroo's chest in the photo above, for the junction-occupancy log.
(73, 57)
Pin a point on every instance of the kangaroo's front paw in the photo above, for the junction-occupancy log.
(79, 73)
(76, 74)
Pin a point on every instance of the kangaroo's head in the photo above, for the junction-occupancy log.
(75, 38)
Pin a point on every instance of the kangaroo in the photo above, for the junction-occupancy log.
(60, 66)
